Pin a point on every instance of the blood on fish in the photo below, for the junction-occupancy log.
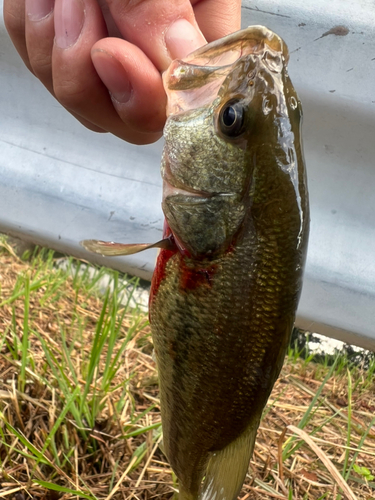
(194, 277)
(190, 278)
(159, 272)
(161, 263)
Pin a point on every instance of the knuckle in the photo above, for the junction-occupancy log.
(70, 93)
(41, 64)
(14, 23)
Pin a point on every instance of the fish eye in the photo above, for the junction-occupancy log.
(231, 118)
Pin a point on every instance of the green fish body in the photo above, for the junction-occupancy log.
(225, 292)
(228, 277)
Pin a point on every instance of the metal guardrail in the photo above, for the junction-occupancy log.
(61, 183)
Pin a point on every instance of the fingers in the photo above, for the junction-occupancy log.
(111, 84)
(134, 84)
(14, 19)
(39, 33)
(110, 22)
(156, 32)
(76, 84)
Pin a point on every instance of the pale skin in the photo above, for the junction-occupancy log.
(103, 59)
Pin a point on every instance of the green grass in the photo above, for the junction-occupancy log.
(73, 359)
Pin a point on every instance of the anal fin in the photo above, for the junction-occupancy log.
(227, 468)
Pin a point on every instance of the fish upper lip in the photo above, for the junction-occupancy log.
(171, 190)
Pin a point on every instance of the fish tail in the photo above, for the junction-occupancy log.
(227, 468)
(185, 494)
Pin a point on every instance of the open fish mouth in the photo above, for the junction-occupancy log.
(170, 190)
(189, 195)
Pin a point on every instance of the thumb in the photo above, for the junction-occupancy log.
(162, 29)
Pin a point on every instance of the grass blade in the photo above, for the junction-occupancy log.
(62, 489)
(349, 425)
(60, 418)
(36, 453)
(306, 417)
(25, 335)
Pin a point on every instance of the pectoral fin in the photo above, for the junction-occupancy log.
(111, 249)
(227, 468)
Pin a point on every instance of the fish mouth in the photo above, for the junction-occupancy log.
(170, 189)
(190, 195)
(198, 77)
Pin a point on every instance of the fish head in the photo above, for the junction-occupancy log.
(230, 105)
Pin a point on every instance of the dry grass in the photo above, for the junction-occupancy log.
(99, 439)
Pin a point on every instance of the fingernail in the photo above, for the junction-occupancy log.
(113, 75)
(39, 9)
(182, 38)
(69, 19)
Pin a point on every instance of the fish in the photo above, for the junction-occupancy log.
(229, 272)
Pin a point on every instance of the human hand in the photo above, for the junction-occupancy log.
(102, 59)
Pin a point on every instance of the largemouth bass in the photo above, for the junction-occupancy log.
(229, 274)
